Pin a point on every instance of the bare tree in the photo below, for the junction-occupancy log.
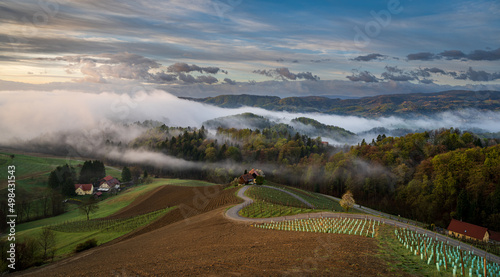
(47, 241)
(347, 201)
(88, 207)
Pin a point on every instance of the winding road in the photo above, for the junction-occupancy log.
(233, 214)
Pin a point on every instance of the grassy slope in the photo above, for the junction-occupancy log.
(272, 203)
(33, 172)
(398, 258)
(110, 205)
(318, 200)
(273, 196)
(66, 242)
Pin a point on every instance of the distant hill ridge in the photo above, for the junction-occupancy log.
(303, 125)
(375, 106)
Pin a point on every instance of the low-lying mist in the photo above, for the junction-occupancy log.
(84, 123)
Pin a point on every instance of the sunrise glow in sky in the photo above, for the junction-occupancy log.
(208, 47)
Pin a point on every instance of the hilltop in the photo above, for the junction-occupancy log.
(376, 106)
(302, 125)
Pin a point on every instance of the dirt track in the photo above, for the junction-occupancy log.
(210, 244)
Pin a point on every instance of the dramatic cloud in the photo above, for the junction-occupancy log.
(284, 73)
(363, 76)
(369, 57)
(96, 68)
(99, 68)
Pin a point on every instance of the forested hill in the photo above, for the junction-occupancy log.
(382, 105)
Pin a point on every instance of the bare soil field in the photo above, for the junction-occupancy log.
(160, 198)
(196, 239)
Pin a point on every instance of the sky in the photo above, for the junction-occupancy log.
(203, 48)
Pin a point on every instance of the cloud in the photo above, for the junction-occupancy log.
(426, 81)
(482, 55)
(284, 73)
(478, 76)
(369, 57)
(364, 76)
(422, 75)
(422, 56)
(229, 81)
(320, 61)
(394, 73)
(435, 70)
(268, 73)
(476, 55)
(100, 68)
(190, 79)
(185, 68)
(97, 68)
(164, 77)
(452, 54)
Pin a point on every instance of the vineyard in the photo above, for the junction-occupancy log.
(445, 257)
(274, 196)
(109, 225)
(317, 200)
(348, 226)
(262, 209)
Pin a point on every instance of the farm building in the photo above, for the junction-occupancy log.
(249, 178)
(494, 236)
(246, 179)
(466, 230)
(108, 182)
(83, 189)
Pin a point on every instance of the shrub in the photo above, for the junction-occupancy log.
(86, 245)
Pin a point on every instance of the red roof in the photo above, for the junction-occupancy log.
(110, 180)
(85, 187)
(494, 235)
(467, 229)
(253, 171)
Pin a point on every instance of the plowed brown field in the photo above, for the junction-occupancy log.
(197, 239)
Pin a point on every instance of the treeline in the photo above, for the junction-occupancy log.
(32, 205)
(430, 176)
(271, 145)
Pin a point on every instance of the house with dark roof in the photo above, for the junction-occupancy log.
(246, 179)
(108, 182)
(249, 178)
(83, 189)
(466, 230)
(494, 236)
